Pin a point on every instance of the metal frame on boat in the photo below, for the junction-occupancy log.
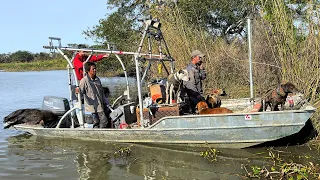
(236, 130)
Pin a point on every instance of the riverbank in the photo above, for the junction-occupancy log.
(58, 64)
(54, 64)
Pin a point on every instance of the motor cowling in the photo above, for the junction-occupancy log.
(57, 105)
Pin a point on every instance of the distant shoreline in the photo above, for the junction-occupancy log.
(54, 64)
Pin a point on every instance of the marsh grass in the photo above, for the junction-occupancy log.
(282, 52)
(280, 169)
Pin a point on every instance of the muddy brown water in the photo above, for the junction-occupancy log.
(23, 156)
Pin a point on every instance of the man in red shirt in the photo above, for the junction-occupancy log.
(80, 59)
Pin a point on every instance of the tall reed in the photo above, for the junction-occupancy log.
(280, 52)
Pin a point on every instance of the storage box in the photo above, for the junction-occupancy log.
(157, 113)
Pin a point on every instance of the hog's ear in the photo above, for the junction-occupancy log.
(181, 71)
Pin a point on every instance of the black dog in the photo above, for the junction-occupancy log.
(278, 96)
(31, 117)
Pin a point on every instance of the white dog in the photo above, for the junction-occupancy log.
(174, 83)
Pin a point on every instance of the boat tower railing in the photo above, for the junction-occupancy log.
(151, 32)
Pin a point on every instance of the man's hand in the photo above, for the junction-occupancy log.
(106, 55)
(202, 66)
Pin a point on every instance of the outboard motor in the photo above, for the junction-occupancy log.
(57, 105)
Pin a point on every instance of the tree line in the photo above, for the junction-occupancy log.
(24, 56)
(285, 38)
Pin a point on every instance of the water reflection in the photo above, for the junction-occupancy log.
(96, 160)
(56, 158)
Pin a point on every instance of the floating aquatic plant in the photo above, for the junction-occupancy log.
(123, 151)
(210, 154)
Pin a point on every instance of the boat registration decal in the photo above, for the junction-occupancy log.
(248, 117)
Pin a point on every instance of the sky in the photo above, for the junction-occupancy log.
(27, 24)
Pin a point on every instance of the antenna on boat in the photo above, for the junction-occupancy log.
(250, 59)
(237, 28)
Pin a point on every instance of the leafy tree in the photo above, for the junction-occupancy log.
(218, 15)
(21, 56)
(41, 56)
(4, 58)
(116, 29)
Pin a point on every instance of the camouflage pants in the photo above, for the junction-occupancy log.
(100, 120)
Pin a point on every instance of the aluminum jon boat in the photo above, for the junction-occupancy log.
(241, 129)
(238, 130)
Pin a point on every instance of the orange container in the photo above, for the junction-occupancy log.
(157, 93)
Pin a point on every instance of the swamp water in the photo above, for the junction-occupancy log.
(24, 156)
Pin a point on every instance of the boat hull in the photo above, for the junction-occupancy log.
(238, 130)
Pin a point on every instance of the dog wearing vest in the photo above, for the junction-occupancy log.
(213, 99)
(278, 96)
(174, 83)
(203, 108)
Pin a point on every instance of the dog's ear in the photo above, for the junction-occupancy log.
(223, 93)
(215, 91)
(207, 97)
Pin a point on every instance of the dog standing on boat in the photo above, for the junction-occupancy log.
(31, 117)
(203, 108)
(213, 99)
(278, 96)
(174, 83)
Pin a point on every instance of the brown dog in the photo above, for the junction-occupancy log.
(213, 99)
(204, 109)
(278, 96)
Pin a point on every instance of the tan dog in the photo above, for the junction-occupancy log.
(204, 109)
(213, 99)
